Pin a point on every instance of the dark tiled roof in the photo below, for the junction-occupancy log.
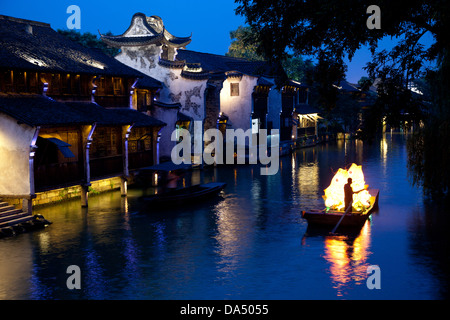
(37, 110)
(264, 82)
(347, 86)
(214, 63)
(304, 108)
(183, 117)
(34, 45)
(167, 105)
(297, 84)
(119, 41)
(138, 118)
(115, 116)
(147, 82)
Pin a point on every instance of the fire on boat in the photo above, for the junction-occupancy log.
(365, 201)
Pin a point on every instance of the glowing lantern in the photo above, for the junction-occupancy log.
(334, 194)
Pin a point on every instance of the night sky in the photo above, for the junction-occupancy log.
(209, 21)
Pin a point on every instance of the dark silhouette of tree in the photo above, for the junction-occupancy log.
(89, 40)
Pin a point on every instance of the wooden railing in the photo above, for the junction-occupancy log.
(106, 166)
(57, 174)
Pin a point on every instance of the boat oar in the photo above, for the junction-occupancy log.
(340, 220)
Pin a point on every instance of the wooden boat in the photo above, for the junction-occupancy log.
(187, 194)
(351, 219)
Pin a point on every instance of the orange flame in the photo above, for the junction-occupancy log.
(334, 194)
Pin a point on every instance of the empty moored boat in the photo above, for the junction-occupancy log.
(188, 194)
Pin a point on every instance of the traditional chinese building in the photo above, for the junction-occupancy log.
(72, 119)
(221, 91)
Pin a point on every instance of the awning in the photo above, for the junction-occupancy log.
(62, 146)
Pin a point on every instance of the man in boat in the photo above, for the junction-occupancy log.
(348, 192)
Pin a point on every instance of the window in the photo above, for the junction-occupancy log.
(8, 81)
(142, 98)
(165, 53)
(234, 89)
(21, 81)
(55, 84)
(33, 83)
(117, 83)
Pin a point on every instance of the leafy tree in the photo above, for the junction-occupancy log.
(338, 27)
(325, 79)
(365, 83)
(89, 40)
(244, 44)
(298, 69)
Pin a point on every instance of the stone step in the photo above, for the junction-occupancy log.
(16, 221)
(13, 217)
(6, 208)
(9, 212)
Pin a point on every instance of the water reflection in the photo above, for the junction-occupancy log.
(243, 245)
(308, 179)
(348, 258)
(233, 230)
(383, 152)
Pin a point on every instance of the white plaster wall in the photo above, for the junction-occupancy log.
(169, 116)
(190, 93)
(238, 109)
(15, 141)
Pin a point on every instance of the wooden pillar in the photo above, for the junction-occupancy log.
(156, 141)
(86, 136)
(126, 172)
(27, 204)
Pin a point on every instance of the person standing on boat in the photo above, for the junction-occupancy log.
(348, 194)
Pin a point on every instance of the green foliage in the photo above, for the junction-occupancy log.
(429, 154)
(324, 79)
(89, 40)
(244, 44)
(298, 69)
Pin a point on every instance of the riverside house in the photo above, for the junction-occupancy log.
(221, 91)
(72, 119)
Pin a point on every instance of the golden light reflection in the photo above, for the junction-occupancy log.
(348, 259)
(233, 229)
(384, 150)
(359, 150)
(308, 178)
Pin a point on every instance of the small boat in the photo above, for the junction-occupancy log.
(187, 194)
(351, 219)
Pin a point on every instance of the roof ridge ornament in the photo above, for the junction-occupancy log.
(144, 31)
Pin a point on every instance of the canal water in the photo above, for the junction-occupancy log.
(248, 243)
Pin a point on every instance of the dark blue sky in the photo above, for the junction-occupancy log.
(210, 21)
